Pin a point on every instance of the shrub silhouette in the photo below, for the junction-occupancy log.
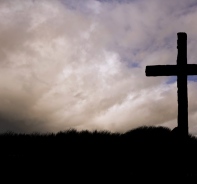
(145, 150)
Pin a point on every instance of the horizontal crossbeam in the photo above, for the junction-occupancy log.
(191, 69)
(171, 70)
(161, 70)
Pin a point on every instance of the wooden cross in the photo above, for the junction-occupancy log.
(181, 70)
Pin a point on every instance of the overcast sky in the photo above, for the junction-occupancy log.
(81, 64)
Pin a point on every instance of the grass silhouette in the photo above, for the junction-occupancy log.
(142, 151)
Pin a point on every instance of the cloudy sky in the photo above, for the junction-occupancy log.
(81, 64)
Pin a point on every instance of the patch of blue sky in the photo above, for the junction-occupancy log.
(173, 79)
(133, 65)
(192, 78)
(117, 1)
(76, 5)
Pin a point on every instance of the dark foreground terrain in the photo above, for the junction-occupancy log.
(146, 151)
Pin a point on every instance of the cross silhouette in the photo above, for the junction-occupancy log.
(181, 70)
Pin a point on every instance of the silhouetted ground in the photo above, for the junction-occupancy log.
(146, 151)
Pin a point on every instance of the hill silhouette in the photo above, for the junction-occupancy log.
(142, 151)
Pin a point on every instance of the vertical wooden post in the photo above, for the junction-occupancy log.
(182, 83)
